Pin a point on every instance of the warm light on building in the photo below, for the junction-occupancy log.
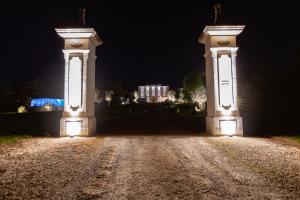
(153, 93)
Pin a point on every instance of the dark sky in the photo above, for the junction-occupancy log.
(144, 41)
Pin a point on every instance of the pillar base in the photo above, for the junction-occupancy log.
(77, 126)
(224, 125)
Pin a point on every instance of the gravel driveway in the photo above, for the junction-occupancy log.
(149, 167)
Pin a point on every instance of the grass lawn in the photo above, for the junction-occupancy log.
(296, 138)
(8, 113)
(9, 139)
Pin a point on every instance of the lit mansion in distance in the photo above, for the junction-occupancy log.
(153, 93)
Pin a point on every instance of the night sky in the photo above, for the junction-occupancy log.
(145, 42)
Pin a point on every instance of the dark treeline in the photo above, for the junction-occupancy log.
(19, 93)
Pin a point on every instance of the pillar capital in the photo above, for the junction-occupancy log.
(220, 31)
(79, 33)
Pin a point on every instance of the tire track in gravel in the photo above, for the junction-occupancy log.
(277, 163)
(149, 167)
(228, 179)
(108, 176)
(177, 168)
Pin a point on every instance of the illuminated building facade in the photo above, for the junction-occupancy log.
(223, 116)
(46, 101)
(153, 93)
(79, 83)
(46, 104)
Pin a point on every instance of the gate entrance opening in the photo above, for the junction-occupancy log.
(223, 117)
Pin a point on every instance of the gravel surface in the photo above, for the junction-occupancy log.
(149, 167)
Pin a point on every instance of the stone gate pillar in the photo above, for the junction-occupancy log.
(79, 83)
(223, 116)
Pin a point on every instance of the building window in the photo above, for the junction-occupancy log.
(142, 91)
(147, 91)
(158, 91)
(164, 91)
(153, 91)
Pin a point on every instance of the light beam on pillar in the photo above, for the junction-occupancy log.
(225, 81)
(75, 84)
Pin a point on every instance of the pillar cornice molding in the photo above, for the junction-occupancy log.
(82, 33)
(216, 49)
(229, 30)
(69, 51)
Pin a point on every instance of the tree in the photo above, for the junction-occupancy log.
(108, 96)
(135, 96)
(7, 97)
(180, 95)
(193, 81)
(99, 96)
(199, 97)
(172, 95)
(118, 89)
(115, 100)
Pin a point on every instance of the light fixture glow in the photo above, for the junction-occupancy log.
(73, 128)
(228, 127)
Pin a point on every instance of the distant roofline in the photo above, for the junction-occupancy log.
(154, 85)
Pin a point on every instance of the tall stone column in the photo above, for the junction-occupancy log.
(223, 117)
(79, 84)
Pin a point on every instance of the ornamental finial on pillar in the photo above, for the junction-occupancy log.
(82, 16)
(218, 13)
